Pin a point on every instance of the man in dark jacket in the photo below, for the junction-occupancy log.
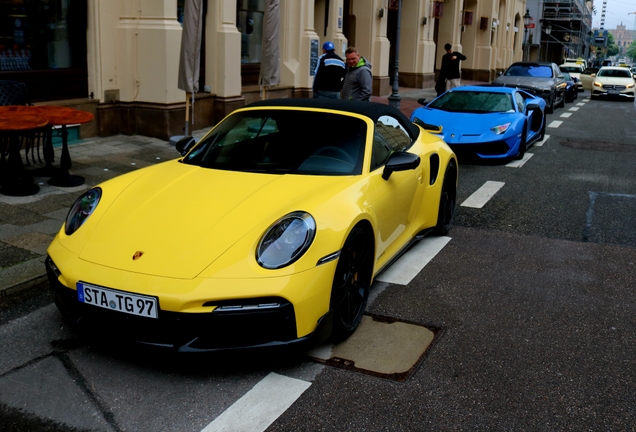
(329, 74)
(450, 66)
(359, 79)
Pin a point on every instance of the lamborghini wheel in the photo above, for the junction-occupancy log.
(351, 283)
(447, 201)
(523, 144)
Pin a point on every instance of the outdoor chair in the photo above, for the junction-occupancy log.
(15, 93)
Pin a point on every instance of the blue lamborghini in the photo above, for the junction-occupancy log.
(489, 121)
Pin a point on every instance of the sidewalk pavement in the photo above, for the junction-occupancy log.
(29, 224)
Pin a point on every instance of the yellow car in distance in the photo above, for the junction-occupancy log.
(268, 231)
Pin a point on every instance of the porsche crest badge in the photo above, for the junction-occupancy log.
(137, 255)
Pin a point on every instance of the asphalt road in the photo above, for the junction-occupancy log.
(534, 297)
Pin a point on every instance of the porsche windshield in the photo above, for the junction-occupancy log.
(284, 141)
(473, 102)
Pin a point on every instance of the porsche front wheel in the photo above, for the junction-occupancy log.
(351, 282)
(447, 200)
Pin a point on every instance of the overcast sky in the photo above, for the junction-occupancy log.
(616, 13)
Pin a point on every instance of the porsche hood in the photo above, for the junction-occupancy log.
(177, 219)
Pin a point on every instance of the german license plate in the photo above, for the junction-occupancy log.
(613, 92)
(120, 301)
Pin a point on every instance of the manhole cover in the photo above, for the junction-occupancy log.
(381, 346)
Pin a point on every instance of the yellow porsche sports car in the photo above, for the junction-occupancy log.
(268, 231)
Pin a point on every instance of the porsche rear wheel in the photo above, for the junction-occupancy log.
(351, 282)
(447, 200)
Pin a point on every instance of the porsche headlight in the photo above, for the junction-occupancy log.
(83, 207)
(286, 240)
(498, 130)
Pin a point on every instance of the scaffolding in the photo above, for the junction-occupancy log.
(566, 29)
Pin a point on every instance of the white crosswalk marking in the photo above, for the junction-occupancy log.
(260, 406)
(481, 196)
(519, 163)
(565, 115)
(574, 109)
(555, 123)
(540, 143)
(412, 262)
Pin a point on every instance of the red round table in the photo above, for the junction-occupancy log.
(56, 116)
(15, 180)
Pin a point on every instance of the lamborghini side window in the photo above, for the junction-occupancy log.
(389, 136)
(520, 101)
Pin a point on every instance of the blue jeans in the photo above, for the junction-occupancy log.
(321, 94)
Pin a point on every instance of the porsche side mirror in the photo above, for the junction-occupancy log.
(401, 161)
(184, 145)
(422, 101)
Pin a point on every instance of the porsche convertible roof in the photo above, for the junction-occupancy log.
(368, 109)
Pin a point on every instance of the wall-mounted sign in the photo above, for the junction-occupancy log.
(438, 9)
(483, 24)
(313, 57)
(468, 17)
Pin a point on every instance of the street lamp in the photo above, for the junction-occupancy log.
(547, 29)
(526, 25)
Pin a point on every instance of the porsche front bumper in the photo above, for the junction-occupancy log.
(275, 312)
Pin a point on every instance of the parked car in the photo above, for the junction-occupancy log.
(572, 90)
(613, 82)
(575, 70)
(587, 77)
(539, 78)
(269, 231)
(492, 122)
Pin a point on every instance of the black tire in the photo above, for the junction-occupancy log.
(550, 107)
(542, 132)
(523, 145)
(447, 200)
(351, 282)
(562, 103)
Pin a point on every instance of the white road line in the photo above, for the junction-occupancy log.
(481, 196)
(412, 262)
(586, 100)
(259, 407)
(519, 163)
(574, 109)
(580, 104)
(540, 143)
(565, 115)
(555, 123)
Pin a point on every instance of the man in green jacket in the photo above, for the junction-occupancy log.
(358, 81)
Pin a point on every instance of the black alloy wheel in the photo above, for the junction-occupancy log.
(523, 146)
(550, 107)
(351, 282)
(447, 201)
(542, 133)
(562, 103)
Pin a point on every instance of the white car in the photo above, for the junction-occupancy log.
(614, 81)
(587, 77)
(574, 69)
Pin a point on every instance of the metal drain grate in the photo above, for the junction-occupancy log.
(382, 346)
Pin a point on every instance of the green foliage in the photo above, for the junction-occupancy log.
(631, 50)
(612, 48)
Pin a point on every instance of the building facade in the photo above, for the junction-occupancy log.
(623, 37)
(120, 58)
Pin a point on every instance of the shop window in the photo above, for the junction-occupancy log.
(249, 21)
(43, 43)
